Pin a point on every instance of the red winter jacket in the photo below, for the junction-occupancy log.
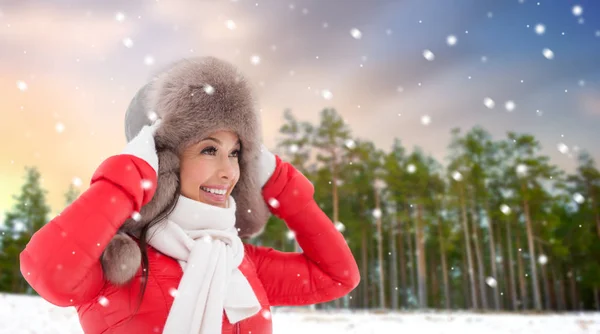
(61, 262)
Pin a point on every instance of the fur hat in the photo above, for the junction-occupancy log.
(193, 97)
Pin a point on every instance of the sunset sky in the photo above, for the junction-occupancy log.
(69, 69)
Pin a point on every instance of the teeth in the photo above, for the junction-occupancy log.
(214, 191)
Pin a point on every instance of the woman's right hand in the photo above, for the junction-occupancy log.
(143, 145)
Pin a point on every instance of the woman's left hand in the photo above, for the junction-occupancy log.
(267, 165)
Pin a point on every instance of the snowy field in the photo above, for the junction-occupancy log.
(32, 315)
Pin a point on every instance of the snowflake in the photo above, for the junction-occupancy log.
(489, 103)
(22, 85)
(491, 282)
(540, 29)
(562, 148)
(355, 33)
(103, 301)
(548, 53)
(230, 25)
(577, 10)
(411, 168)
(255, 60)
(377, 213)
(425, 120)
(451, 40)
(76, 182)
(274, 203)
(505, 209)
(457, 176)
(350, 143)
(577, 197)
(59, 127)
(128, 42)
(149, 60)
(509, 105)
(327, 95)
(208, 89)
(543, 259)
(521, 169)
(120, 17)
(428, 55)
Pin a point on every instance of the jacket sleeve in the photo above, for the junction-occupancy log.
(326, 270)
(61, 262)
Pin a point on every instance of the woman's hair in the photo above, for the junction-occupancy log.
(144, 245)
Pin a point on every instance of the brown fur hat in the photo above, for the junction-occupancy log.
(193, 97)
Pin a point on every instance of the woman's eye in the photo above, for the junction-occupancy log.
(209, 150)
(236, 153)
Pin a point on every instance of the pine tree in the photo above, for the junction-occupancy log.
(27, 216)
(71, 194)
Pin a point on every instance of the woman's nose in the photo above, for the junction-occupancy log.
(227, 168)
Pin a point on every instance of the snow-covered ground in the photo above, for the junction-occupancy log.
(26, 314)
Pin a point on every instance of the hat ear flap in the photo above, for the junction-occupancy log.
(121, 259)
(165, 195)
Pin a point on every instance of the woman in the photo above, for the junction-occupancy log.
(154, 245)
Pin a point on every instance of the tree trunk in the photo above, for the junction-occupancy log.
(465, 225)
(532, 257)
(364, 276)
(597, 298)
(505, 292)
(421, 264)
(573, 287)
(479, 257)
(411, 270)
(464, 270)
(403, 286)
(511, 266)
(334, 176)
(561, 300)
(380, 253)
(544, 280)
(521, 273)
(444, 266)
(493, 256)
(394, 261)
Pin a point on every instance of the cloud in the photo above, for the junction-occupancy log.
(39, 28)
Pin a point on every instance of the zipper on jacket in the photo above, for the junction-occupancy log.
(237, 328)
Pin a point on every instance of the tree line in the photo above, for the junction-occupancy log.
(498, 227)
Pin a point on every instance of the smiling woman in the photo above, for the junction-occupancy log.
(155, 244)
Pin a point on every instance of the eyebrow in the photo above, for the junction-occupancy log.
(218, 141)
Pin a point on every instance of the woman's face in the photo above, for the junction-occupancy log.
(209, 169)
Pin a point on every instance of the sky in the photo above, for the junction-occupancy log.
(411, 70)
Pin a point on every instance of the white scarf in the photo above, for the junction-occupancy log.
(204, 240)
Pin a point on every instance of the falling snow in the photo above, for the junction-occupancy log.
(491, 282)
(355, 33)
(428, 55)
(21, 85)
(549, 54)
(255, 60)
(510, 106)
(577, 197)
(451, 40)
(540, 29)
